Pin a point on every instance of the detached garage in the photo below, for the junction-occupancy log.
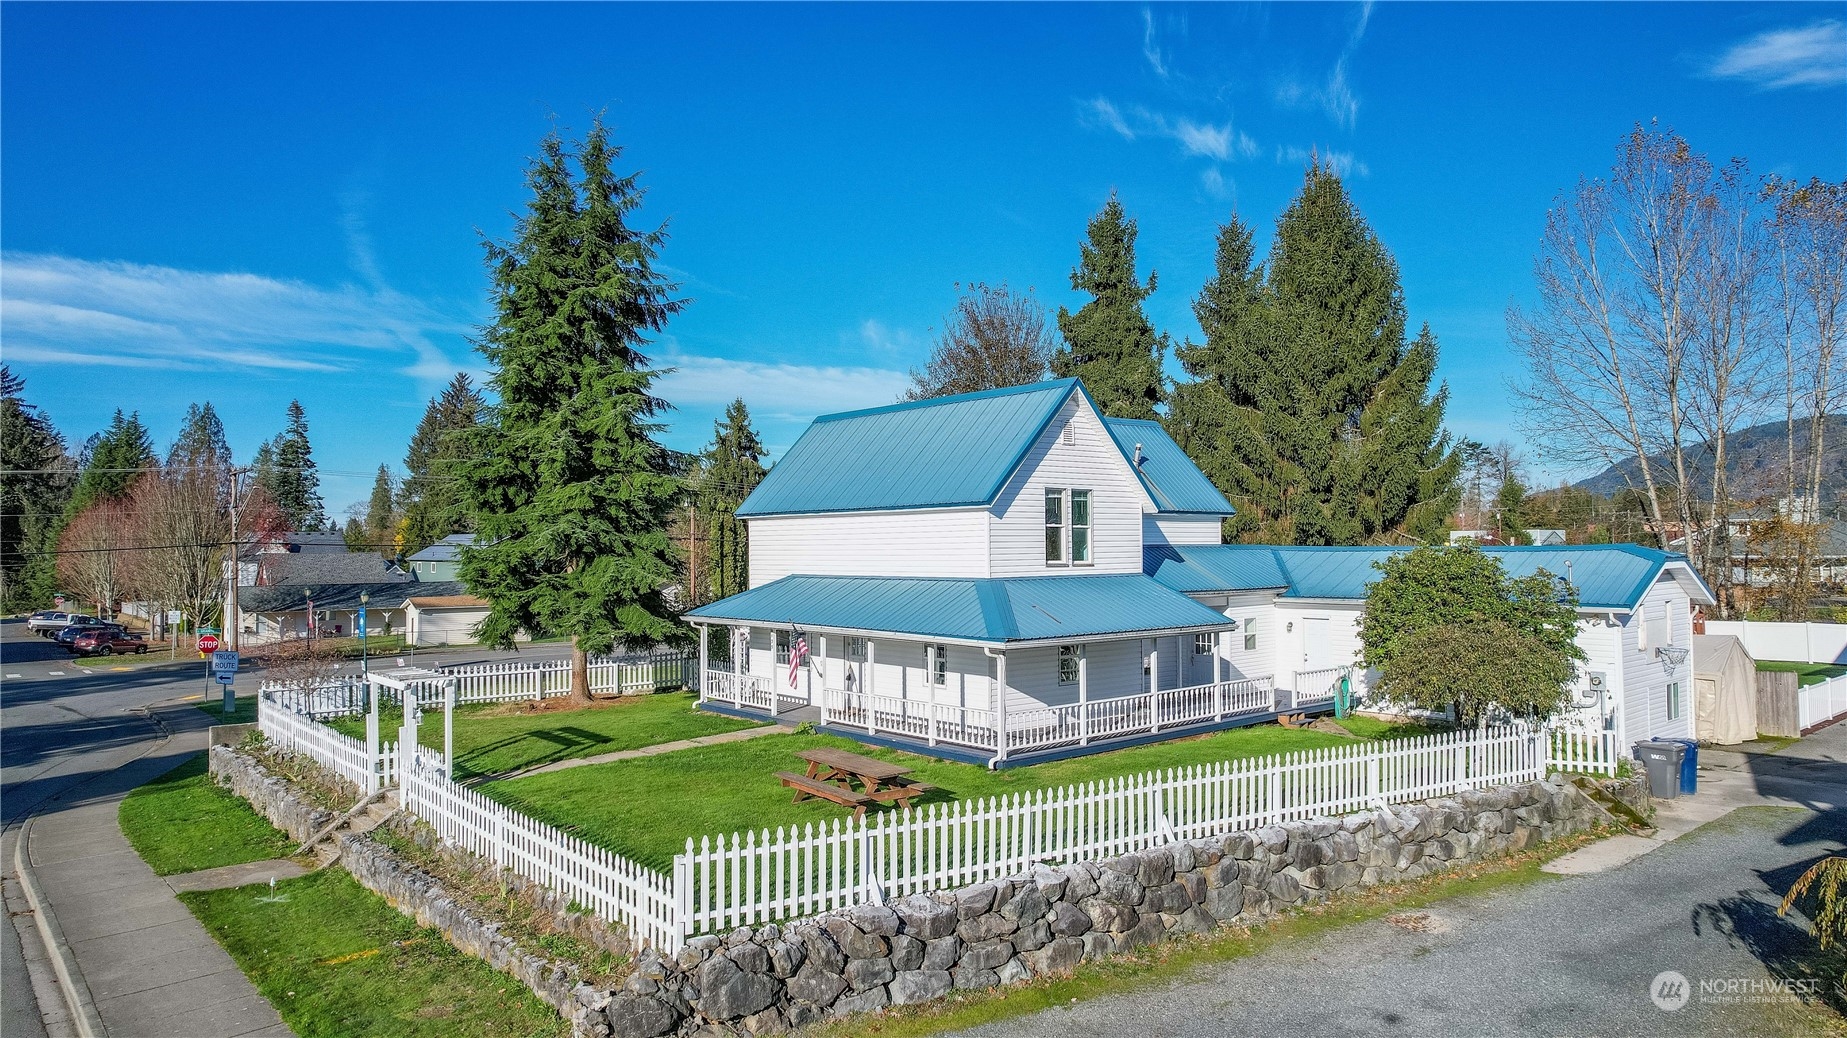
(443, 619)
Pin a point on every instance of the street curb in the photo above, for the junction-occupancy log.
(71, 983)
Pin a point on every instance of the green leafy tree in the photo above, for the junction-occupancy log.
(430, 496)
(571, 493)
(294, 481)
(1458, 599)
(117, 458)
(33, 495)
(1109, 342)
(1307, 406)
(729, 469)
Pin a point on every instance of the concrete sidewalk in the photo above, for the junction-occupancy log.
(139, 959)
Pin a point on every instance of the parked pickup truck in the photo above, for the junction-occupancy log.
(107, 641)
(49, 622)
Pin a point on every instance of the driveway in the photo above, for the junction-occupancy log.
(1567, 956)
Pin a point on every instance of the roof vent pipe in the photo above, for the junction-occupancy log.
(1138, 455)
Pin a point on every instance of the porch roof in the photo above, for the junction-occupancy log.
(996, 610)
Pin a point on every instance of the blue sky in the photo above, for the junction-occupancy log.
(248, 203)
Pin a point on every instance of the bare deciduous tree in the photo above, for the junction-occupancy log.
(994, 338)
(180, 518)
(94, 559)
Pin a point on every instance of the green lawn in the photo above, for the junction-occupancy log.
(338, 962)
(647, 808)
(182, 822)
(495, 739)
(1806, 673)
(245, 711)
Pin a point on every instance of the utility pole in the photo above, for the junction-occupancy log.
(231, 618)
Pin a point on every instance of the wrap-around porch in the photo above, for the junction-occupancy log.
(1005, 704)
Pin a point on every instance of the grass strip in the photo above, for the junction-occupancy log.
(338, 962)
(184, 822)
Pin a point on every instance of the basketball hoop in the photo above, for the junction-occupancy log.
(1675, 655)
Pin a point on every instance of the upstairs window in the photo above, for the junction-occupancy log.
(1067, 664)
(1250, 634)
(1067, 526)
(1054, 525)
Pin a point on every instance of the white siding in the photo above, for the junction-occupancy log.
(942, 543)
(1112, 669)
(1294, 650)
(1017, 538)
(443, 626)
(1180, 529)
(1646, 676)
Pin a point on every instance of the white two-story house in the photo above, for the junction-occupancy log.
(1009, 576)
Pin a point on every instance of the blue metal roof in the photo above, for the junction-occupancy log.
(1169, 476)
(981, 609)
(1607, 576)
(939, 453)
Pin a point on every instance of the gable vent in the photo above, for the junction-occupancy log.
(1069, 436)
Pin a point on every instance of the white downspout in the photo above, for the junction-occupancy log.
(1000, 704)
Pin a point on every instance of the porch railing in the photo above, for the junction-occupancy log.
(1317, 686)
(931, 722)
(1146, 712)
(740, 690)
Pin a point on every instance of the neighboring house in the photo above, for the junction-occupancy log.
(431, 618)
(1009, 576)
(278, 612)
(439, 561)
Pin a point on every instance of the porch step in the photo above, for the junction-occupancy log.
(361, 818)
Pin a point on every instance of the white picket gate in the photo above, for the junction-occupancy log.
(1821, 702)
(759, 876)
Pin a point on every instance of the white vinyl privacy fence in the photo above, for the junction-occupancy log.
(747, 878)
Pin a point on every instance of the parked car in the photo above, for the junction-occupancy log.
(69, 633)
(104, 641)
(45, 621)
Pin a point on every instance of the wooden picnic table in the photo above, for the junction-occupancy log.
(833, 773)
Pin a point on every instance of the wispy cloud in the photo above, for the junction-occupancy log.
(134, 315)
(1205, 139)
(787, 392)
(1344, 163)
(1333, 95)
(1151, 45)
(879, 337)
(1812, 56)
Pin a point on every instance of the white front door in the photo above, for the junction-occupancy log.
(1317, 650)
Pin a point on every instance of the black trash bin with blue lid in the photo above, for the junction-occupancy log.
(1689, 767)
(1661, 761)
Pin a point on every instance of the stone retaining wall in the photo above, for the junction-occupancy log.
(1047, 921)
(272, 797)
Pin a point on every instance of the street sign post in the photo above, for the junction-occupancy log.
(224, 671)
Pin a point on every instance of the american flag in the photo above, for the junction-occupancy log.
(798, 654)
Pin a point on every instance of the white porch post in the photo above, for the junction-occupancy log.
(823, 641)
(1221, 663)
(872, 668)
(1154, 684)
(704, 658)
(1000, 704)
(449, 687)
(740, 650)
(1083, 696)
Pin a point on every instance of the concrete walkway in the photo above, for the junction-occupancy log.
(227, 876)
(646, 751)
(134, 960)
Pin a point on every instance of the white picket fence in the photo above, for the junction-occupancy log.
(1821, 702)
(747, 878)
(627, 675)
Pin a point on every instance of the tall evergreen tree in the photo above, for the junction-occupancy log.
(201, 441)
(430, 495)
(381, 514)
(33, 495)
(295, 484)
(729, 470)
(1109, 342)
(1307, 407)
(571, 493)
(118, 457)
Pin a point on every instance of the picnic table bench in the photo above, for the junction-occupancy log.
(832, 774)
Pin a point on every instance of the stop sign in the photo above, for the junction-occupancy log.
(208, 643)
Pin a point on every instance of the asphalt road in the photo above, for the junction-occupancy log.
(1571, 956)
(62, 725)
